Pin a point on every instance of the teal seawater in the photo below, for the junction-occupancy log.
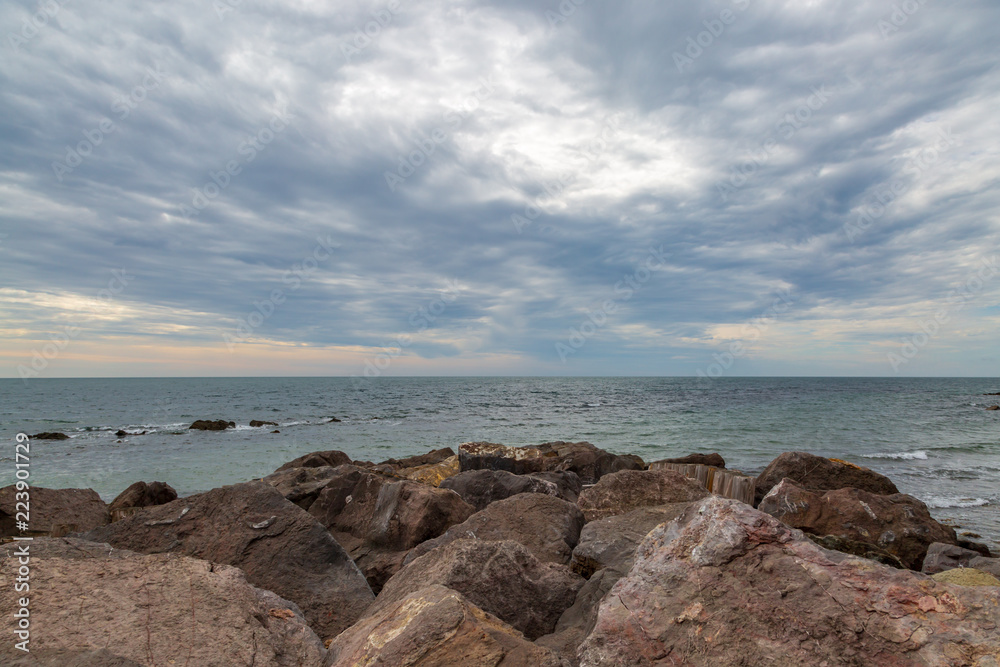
(932, 436)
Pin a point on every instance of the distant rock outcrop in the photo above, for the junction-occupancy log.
(208, 425)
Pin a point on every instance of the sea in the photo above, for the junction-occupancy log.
(932, 436)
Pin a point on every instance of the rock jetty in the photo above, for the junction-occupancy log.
(555, 555)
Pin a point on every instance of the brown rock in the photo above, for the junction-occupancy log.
(587, 461)
(611, 542)
(714, 460)
(546, 526)
(332, 458)
(726, 585)
(49, 436)
(502, 578)
(436, 626)
(577, 622)
(941, 557)
(994, 407)
(208, 425)
(435, 456)
(302, 485)
(94, 605)
(898, 523)
(378, 519)
(568, 484)
(255, 423)
(54, 512)
(431, 473)
(622, 492)
(141, 494)
(856, 548)
(251, 526)
(479, 488)
(820, 474)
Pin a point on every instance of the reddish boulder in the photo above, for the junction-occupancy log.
(727, 585)
(942, 557)
(479, 488)
(209, 425)
(436, 626)
(430, 458)
(251, 526)
(821, 474)
(502, 578)
(55, 512)
(142, 494)
(622, 492)
(302, 485)
(590, 463)
(714, 460)
(611, 542)
(547, 526)
(898, 523)
(332, 458)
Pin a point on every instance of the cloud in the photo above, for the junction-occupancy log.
(531, 154)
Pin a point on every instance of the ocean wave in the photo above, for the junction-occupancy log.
(898, 456)
(942, 502)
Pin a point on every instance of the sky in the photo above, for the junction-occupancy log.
(473, 187)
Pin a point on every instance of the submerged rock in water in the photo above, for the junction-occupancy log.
(255, 423)
(95, 605)
(726, 585)
(622, 492)
(253, 527)
(55, 512)
(821, 474)
(49, 436)
(436, 626)
(208, 425)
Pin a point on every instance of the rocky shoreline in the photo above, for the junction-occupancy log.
(556, 554)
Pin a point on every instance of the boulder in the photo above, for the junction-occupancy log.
(622, 492)
(436, 626)
(49, 436)
(435, 456)
(610, 543)
(714, 460)
(332, 458)
(994, 407)
(302, 485)
(942, 556)
(856, 548)
(378, 518)
(253, 527)
(479, 488)
(546, 526)
(142, 494)
(727, 585)
(898, 523)
(431, 473)
(577, 622)
(568, 484)
(55, 512)
(968, 576)
(589, 462)
(501, 578)
(255, 423)
(821, 474)
(208, 425)
(94, 605)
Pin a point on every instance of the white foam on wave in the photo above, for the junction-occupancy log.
(942, 502)
(898, 456)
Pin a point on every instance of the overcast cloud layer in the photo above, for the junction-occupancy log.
(473, 187)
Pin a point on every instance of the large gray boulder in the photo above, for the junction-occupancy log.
(817, 473)
(726, 585)
(611, 542)
(622, 492)
(253, 527)
(479, 488)
(55, 512)
(95, 605)
(942, 557)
